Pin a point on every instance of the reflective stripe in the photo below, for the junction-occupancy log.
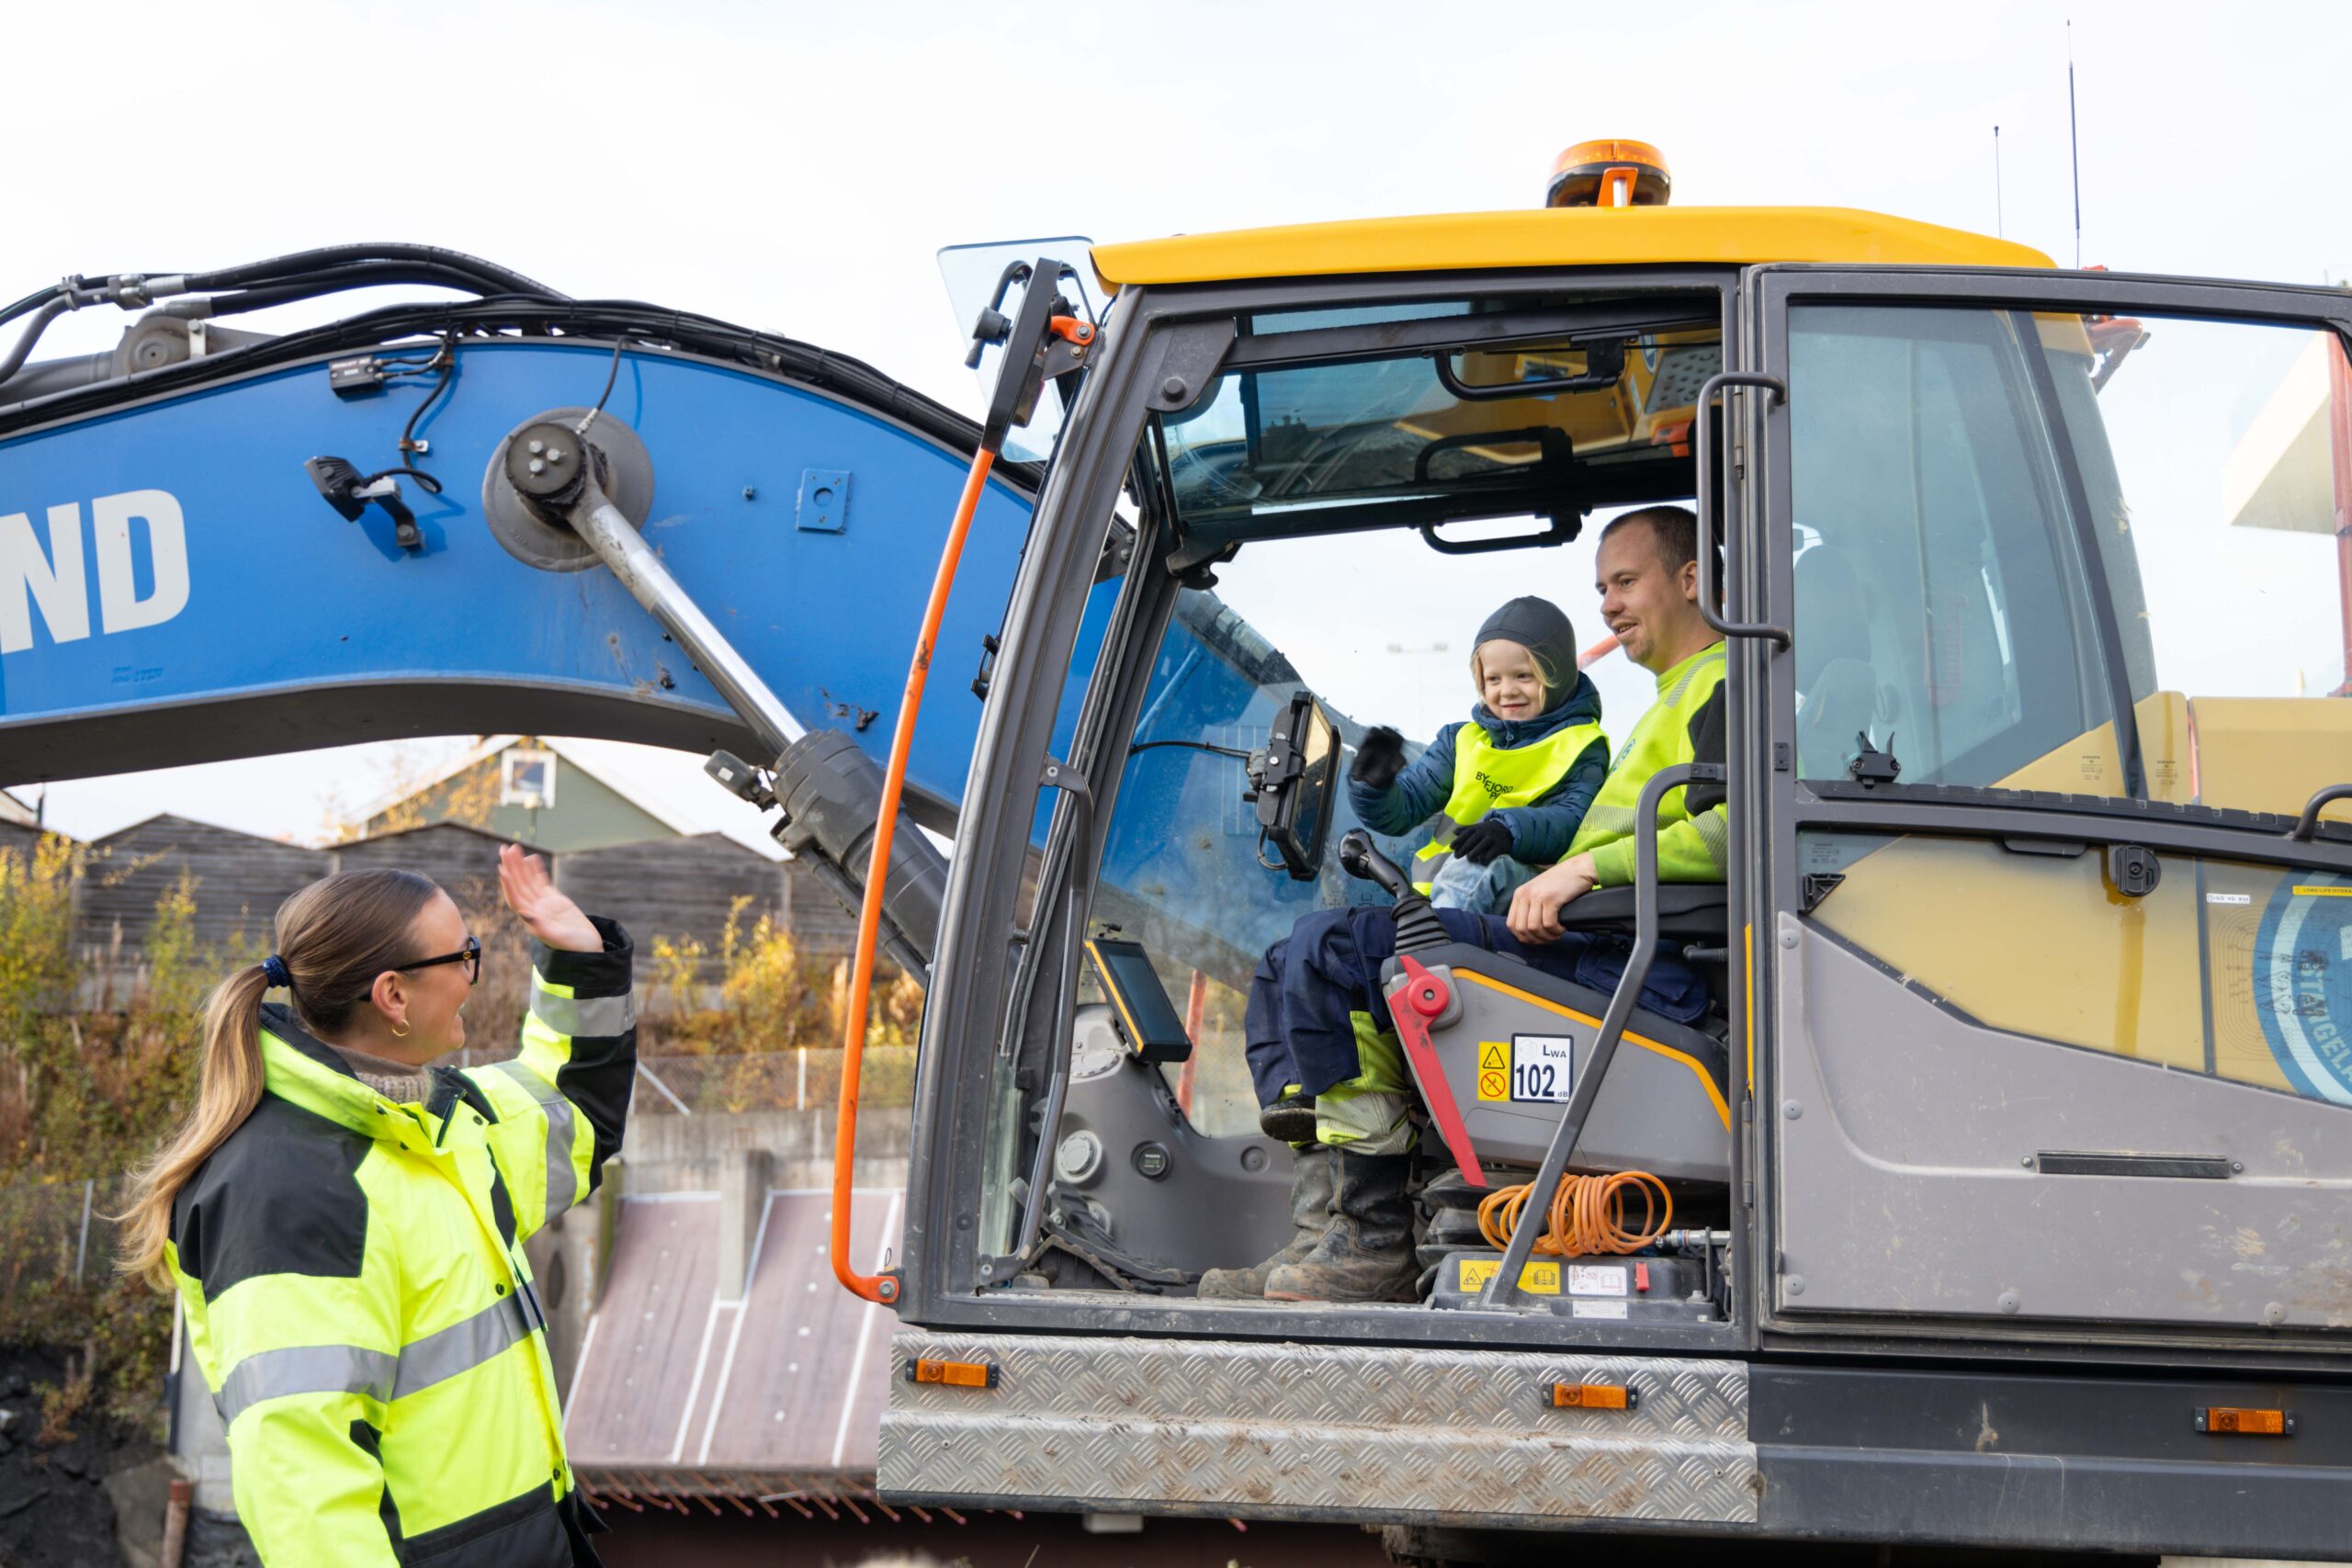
(1714, 831)
(377, 1374)
(1673, 699)
(563, 1182)
(461, 1346)
(591, 1017)
(304, 1369)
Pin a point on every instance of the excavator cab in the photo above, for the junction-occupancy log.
(2022, 1022)
(1314, 530)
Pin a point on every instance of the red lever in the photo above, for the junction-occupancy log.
(1425, 996)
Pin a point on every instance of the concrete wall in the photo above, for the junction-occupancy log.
(689, 1153)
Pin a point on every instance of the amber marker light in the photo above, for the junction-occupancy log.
(2231, 1421)
(1594, 1396)
(1612, 171)
(952, 1374)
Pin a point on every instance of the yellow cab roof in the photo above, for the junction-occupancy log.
(1570, 236)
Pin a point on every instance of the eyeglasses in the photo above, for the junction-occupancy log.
(470, 955)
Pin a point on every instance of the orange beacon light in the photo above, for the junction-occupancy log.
(1612, 171)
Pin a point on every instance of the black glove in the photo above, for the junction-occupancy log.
(1380, 757)
(1482, 840)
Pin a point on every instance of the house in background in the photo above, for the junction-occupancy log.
(19, 823)
(631, 832)
(559, 795)
(639, 831)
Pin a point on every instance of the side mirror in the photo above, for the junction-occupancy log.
(1292, 781)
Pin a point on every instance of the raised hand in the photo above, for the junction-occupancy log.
(551, 914)
(1379, 758)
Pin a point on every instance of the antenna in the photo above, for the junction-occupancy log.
(2074, 144)
(1997, 228)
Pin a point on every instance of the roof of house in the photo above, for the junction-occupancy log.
(447, 827)
(1588, 236)
(668, 785)
(17, 811)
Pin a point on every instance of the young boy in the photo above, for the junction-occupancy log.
(1509, 786)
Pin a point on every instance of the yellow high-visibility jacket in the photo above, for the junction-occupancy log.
(1685, 725)
(358, 1298)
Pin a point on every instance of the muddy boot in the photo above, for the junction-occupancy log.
(1366, 1255)
(1290, 1119)
(1310, 1211)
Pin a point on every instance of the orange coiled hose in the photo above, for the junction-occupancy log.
(1587, 1216)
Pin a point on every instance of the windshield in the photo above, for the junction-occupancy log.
(1381, 628)
(1556, 411)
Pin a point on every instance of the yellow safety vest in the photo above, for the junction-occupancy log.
(358, 1298)
(1487, 777)
(1690, 848)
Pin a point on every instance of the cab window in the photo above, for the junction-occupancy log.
(2011, 523)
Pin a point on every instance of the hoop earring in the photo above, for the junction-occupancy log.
(399, 1033)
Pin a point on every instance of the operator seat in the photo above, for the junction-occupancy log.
(1496, 1065)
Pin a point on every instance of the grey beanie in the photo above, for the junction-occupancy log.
(1541, 628)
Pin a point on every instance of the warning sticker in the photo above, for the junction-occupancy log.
(1596, 1279)
(1597, 1309)
(1494, 1070)
(1536, 1279)
(2229, 898)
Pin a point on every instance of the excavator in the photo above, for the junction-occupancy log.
(1999, 1194)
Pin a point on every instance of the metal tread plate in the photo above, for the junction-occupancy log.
(1316, 1432)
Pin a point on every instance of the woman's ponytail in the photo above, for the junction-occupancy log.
(336, 936)
(231, 1089)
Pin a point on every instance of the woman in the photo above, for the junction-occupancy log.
(345, 1223)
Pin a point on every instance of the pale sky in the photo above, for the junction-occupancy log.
(796, 167)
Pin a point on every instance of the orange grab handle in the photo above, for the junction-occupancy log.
(883, 1288)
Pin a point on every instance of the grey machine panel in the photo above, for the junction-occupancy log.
(1315, 1431)
(1157, 1189)
(1912, 1176)
(1661, 1109)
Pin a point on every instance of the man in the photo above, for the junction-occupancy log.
(1317, 1024)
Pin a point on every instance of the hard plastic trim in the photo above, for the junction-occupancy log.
(1556, 237)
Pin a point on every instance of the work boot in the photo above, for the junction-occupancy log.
(1366, 1252)
(1310, 1211)
(1290, 1119)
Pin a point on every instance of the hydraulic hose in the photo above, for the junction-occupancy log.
(883, 1288)
(29, 301)
(15, 358)
(339, 280)
(303, 264)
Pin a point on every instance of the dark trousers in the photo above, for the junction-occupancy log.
(1297, 1022)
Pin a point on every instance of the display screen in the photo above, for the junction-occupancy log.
(1148, 1021)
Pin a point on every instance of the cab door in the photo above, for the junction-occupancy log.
(2059, 970)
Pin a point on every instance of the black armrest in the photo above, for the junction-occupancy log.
(1688, 911)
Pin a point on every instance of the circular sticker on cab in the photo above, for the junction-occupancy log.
(2302, 978)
